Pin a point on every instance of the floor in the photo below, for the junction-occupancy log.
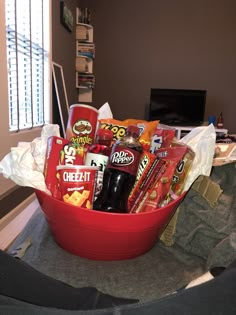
(15, 221)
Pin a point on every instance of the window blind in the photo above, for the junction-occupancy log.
(27, 34)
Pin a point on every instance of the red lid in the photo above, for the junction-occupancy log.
(104, 134)
(133, 129)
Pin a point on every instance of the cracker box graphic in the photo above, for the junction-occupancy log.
(77, 184)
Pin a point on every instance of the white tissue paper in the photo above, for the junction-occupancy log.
(202, 141)
(24, 164)
(105, 112)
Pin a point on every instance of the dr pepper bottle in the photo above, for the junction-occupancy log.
(120, 173)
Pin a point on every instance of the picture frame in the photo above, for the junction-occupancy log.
(66, 16)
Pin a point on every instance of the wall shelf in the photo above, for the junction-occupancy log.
(85, 54)
(182, 131)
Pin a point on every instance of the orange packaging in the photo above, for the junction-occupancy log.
(147, 128)
(150, 167)
(169, 185)
(183, 168)
(77, 184)
(159, 190)
(82, 124)
(59, 151)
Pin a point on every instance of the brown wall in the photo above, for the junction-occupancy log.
(156, 43)
(63, 47)
(167, 44)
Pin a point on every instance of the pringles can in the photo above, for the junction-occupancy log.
(82, 124)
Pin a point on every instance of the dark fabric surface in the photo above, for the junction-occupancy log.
(204, 239)
(152, 275)
(210, 232)
(215, 297)
(20, 281)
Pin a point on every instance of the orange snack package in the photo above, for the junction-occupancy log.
(150, 168)
(118, 127)
(159, 190)
(169, 185)
(183, 168)
(184, 155)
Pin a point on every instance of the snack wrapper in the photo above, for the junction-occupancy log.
(152, 170)
(159, 189)
(182, 169)
(161, 138)
(118, 127)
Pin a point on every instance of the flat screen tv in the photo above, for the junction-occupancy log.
(177, 107)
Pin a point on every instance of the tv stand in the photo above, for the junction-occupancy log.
(182, 131)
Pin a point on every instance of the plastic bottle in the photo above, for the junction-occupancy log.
(98, 153)
(220, 121)
(120, 173)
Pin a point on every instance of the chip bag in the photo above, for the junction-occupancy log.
(118, 127)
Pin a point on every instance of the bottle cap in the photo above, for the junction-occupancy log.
(104, 134)
(133, 129)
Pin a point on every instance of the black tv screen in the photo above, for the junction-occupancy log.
(177, 107)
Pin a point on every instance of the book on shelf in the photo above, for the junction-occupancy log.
(86, 46)
(86, 80)
(87, 54)
(86, 49)
(83, 15)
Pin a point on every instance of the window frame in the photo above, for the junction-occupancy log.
(27, 42)
(10, 139)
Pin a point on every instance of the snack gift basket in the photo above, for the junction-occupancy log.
(94, 234)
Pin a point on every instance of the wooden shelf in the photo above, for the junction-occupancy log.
(182, 131)
(85, 54)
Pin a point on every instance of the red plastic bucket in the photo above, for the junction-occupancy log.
(101, 235)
